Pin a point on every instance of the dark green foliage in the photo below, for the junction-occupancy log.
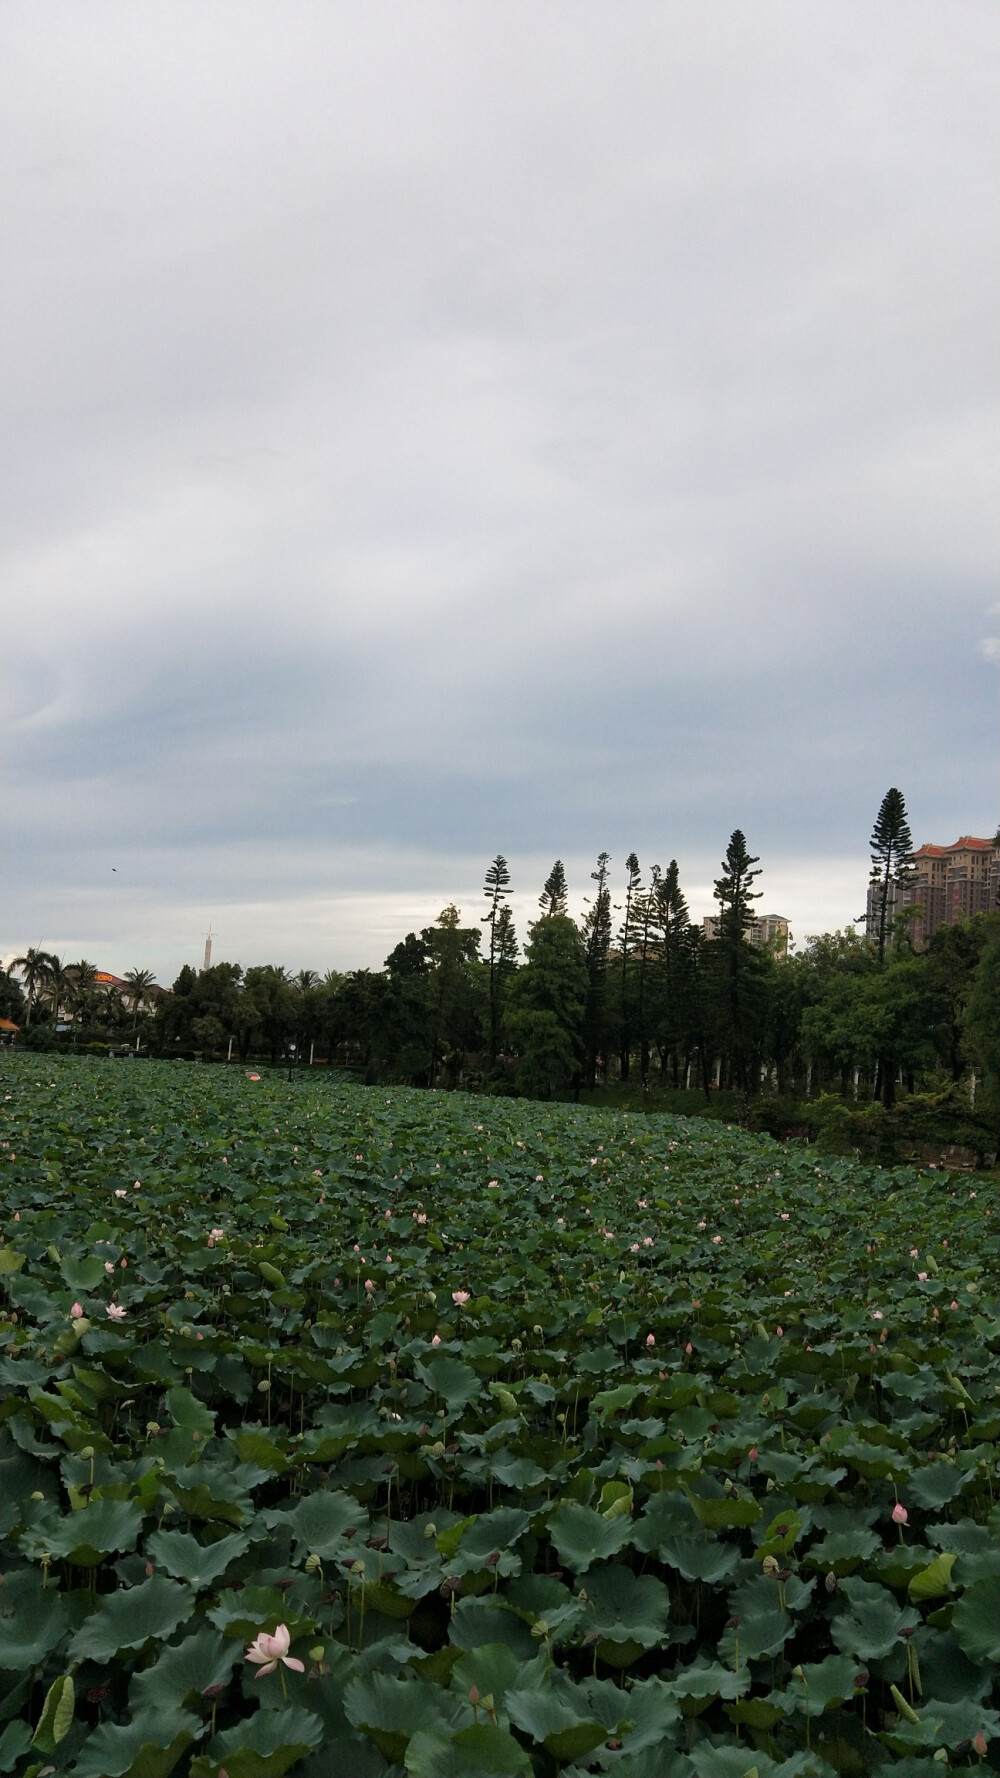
(537, 1428)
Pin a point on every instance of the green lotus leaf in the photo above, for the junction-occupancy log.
(935, 1485)
(147, 1747)
(975, 1622)
(874, 1623)
(567, 1732)
(185, 1672)
(389, 1711)
(83, 1275)
(819, 1685)
(449, 1379)
(32, 1630)
(85, 1538)
(57, 1715)
(187, 1411)
(263, 1746)
(624, 1607)
(186, 1559)
(583, 1537)
(481, 1751)
(130, 1618)
(934, 1581)
(724, 1513)
(324, 1524)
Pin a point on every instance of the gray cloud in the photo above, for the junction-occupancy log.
(435, 430)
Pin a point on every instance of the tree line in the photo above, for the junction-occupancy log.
(634, 990)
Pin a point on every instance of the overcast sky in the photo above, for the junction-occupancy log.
(440, 429)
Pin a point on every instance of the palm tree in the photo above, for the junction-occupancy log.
(136, 992)
(58, 986)
(306, 979)
(34, 967)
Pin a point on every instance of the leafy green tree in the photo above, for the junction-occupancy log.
(597, 948)
(554, 898)
(626, 946)
(981, 1019)
(892, 863)
(496, 889)
(58, 986)
(11, 997)
(545, 1006)
(739, 966)
(275, 1000)
(454, 992)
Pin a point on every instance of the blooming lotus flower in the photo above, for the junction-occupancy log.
(121, 1192)
(109, 1266)
(267, 1651)
(900, 1516)
(116, 1312)
(76, 1311)
(460, 1298)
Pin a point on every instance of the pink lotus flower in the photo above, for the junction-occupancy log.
(715, 1240)
(436, 1341)
(900, 1516)
(650, 1339)
(689, 1348)
(76, 1311)
(116, 1312)
(253, 1077)
(779, 1330)
(492, 1184)
(921, 1277)
(121, 1192)
(109, 1266)
(369, 1284)
(266, 1651)
(460, 1298)
(753, 1454)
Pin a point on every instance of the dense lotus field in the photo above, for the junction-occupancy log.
(361, 1432)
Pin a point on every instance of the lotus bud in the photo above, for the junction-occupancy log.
(830, 1581)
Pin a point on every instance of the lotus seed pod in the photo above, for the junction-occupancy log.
(770, 1567)
(769, 1485)
(152, 1428)
(537, 1330)
(430, 1531)
(38, 1495)
(539, 1629)
(312, 1564)
(830, 1581)
(87, 1453)
(264, 1386)
(317, 1653)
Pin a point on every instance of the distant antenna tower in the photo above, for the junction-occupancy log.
(208, 950)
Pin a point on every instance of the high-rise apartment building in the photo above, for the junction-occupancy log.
(764, 929)
(950, 883)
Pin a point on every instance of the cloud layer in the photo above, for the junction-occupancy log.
(434, 431)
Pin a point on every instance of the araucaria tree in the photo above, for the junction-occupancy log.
(597, 942)
(892, 863)
(627, 943)
(554, 897)
(496, 889)
(737, 960)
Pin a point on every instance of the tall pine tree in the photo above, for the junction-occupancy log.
(554, 896)
(496, 889)
(597, 942)
(626, 941)
(892, 864)
(737, 1002)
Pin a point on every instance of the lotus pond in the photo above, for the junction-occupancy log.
(509, 1439)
